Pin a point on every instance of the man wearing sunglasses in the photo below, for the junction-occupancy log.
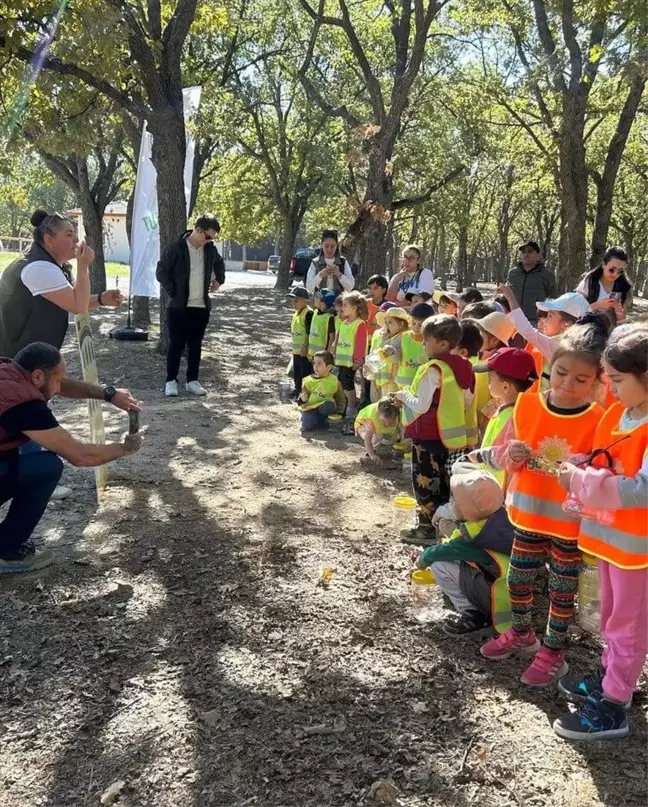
(531, 281)
(188, 270)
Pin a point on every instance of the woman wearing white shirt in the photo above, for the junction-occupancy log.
(330, 270)
(412, 278)
(607, 286)
(36, 290)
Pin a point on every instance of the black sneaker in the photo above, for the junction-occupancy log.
(419, 536)
(466, 622)
(25, 559)
(577, 689)
(596, 719)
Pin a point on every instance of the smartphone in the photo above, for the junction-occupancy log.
(615, 296)
(133, 422)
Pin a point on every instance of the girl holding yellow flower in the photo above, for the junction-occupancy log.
(547, 429)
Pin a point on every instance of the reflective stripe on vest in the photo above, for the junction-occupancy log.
(387, 371)
(495, 427)
(412, 357)
(319, 390)
(451, 414)
(298, 329)
(499, 591)
(625, 542)
(370, 413)
(346, 342)
(318, 334)
(535, 496)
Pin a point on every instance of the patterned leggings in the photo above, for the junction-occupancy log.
(431, 480)
(529, 553)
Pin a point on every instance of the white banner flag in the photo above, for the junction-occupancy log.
(145, 236)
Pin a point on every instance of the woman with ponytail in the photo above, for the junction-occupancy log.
(37, 292)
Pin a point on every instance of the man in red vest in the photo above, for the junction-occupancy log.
(28, 479)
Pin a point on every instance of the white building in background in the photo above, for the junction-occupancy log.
(115, 239)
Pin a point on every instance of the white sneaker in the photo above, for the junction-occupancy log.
(60, 492)
(196, 388)
(171, 389)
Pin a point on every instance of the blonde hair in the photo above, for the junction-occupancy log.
(357, 301)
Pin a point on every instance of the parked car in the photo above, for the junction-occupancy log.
(301, 261)
(273, 263)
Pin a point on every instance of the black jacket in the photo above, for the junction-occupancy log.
(534, 286)
(173, 271)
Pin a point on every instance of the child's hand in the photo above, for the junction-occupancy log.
(303, 396)
(519, 451)
(374, 458)
(389, 350)
(507, 291)
(564, 474)
(304, 351)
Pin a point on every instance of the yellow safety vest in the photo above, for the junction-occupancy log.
(319, 390)
(412, 357)
(346, 342)
(451, 412)
(298, 329)
(499, 592)
(371, 413)
(495, 427)
(318, 334)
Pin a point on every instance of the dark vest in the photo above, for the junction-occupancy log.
(16, 387)
(24, 318)
(339, 262)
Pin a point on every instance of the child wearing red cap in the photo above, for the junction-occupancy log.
(510, 372)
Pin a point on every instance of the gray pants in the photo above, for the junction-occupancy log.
(458, 580)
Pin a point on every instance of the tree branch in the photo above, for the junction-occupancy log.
(548, 44)
(425, 197)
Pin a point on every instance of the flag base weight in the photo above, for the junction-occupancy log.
(127, 333)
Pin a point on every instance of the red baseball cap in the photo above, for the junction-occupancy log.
(510, 361)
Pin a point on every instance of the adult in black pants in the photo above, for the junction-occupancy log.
(188, 270)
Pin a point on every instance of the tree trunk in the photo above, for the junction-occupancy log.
(140, 306)
(93, 225)
(573, 188)
(462, 256)
(168, 156)
(371, 226)
(606, 181)
(290, 230)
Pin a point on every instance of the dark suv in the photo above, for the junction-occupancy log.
(302, 259)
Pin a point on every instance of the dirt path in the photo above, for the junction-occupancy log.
(183, 647)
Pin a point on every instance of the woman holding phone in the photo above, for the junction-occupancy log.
(607, 286)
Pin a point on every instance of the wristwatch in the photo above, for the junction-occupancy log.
(109, 393)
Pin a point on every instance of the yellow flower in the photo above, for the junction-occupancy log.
(553, 450)
(423, 481)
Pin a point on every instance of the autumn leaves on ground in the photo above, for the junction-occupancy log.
(182, 654)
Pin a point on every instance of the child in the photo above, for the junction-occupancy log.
(560, 314)
(321, 394)
(393, 323)
(351, 345)
(496, 330)
(337, 319)
(510, 372)
(447, 302)
(377, 286)
(419, 297)
(621, 549)
(411, 352)
(545, 430)
(471, 564)
(478, 310)
(322, 325)
(467, 297)
(300, 326)
(471, 341)
(376, 422)
(434, 416)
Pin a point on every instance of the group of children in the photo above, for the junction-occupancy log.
(529, 448)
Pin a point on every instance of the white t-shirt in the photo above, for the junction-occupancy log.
(411, 284)
(43, 277)
(196, 297)
(582, 288)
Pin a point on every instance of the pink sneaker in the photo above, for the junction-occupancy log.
(509, 643)
(546, 668)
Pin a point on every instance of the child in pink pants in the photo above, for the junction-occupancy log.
(613, 490)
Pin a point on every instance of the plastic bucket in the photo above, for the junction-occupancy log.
(285, 388)
(404, 512)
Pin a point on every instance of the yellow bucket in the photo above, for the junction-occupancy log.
(423, 577)
(403, 512)
(335, 418)
(404, 502)
(401, 446)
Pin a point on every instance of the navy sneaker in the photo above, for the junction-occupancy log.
(577, 689)
(596, 719)
(25, 559)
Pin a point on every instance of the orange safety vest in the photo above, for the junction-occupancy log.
(624, 543)
(535, 498)
(540, 362)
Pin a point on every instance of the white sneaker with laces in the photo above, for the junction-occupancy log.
(171, 389)
(60, 492)
(196, 388)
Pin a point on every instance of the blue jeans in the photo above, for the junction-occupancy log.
(29, 482)
(318, 418)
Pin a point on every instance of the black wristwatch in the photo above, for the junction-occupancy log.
(109, 393)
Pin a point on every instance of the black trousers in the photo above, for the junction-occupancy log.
(185, 328)
(301, 368)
